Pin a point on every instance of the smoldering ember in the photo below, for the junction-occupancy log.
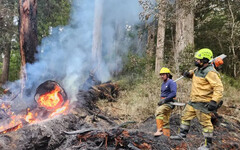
(119, 74)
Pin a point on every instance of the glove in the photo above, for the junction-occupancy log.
(186, 74)
(212, 105)
(161, 102)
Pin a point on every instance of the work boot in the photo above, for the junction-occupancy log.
(207, 145)
(166, 132)
(159, 127)
(183, 133)
(179, 136)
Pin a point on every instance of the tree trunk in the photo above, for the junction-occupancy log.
(151, 39)
(6, 61)
(232, 41)
(184, 27)
(27, 33)
(97, 32)
(28, 30)
(160, 35)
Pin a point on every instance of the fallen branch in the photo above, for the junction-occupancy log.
(131, 146)
(123, 125)
(102, 117)
(80, 131)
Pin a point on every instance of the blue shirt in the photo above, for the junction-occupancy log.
(169, 89)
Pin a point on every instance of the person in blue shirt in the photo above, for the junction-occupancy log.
(168, 94)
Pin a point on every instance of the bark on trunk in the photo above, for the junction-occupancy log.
(160, 35)
(28, 30)
(232, 47)
(151, 39)
(6, 63)
(97, 32)
(184, 27)
(27, 34)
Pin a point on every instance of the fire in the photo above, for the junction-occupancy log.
(60, 110)
(51, 100)
(54, 105)
(13, 124)
(30, 118)
(5, 107)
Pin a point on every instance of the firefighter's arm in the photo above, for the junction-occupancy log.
(216, 83)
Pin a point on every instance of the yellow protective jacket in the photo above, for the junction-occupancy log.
(206, 85)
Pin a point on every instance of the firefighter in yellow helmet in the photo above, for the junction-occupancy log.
(168, 94)
(206, 92)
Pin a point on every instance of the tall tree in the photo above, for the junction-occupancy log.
(97, 32)
(184, 27)
(7, 30)
(151, 46)
(27, 30)
(162, 6)
(232, 39)
(6, 63)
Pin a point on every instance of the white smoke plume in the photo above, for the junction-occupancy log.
(65, 55)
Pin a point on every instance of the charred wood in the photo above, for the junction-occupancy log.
(107, 90)
(102, 117)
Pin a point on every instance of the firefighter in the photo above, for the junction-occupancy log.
(168, 94)
(206, 92)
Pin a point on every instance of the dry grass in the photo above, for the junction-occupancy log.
(137, 103)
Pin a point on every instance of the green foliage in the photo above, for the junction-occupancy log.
(52, 13)
(186, 58)
(15, 64)
(138, 64)
(230, 81)
(217, 27)
(135, 68)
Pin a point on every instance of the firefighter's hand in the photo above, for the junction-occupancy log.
(161, 102)
(212, 105)
(186, 74)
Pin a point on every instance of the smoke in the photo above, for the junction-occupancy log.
(65, 56)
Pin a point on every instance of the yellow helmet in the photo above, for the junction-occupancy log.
(204, 53)
(164, 70)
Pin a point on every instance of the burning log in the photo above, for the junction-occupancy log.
(51, 101)
(50, 95)
(42, 135)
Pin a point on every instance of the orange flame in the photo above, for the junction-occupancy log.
(60, 110)
(30, 117)
(51, 100)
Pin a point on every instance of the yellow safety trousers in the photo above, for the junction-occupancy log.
(205, 119)
(163, 112)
